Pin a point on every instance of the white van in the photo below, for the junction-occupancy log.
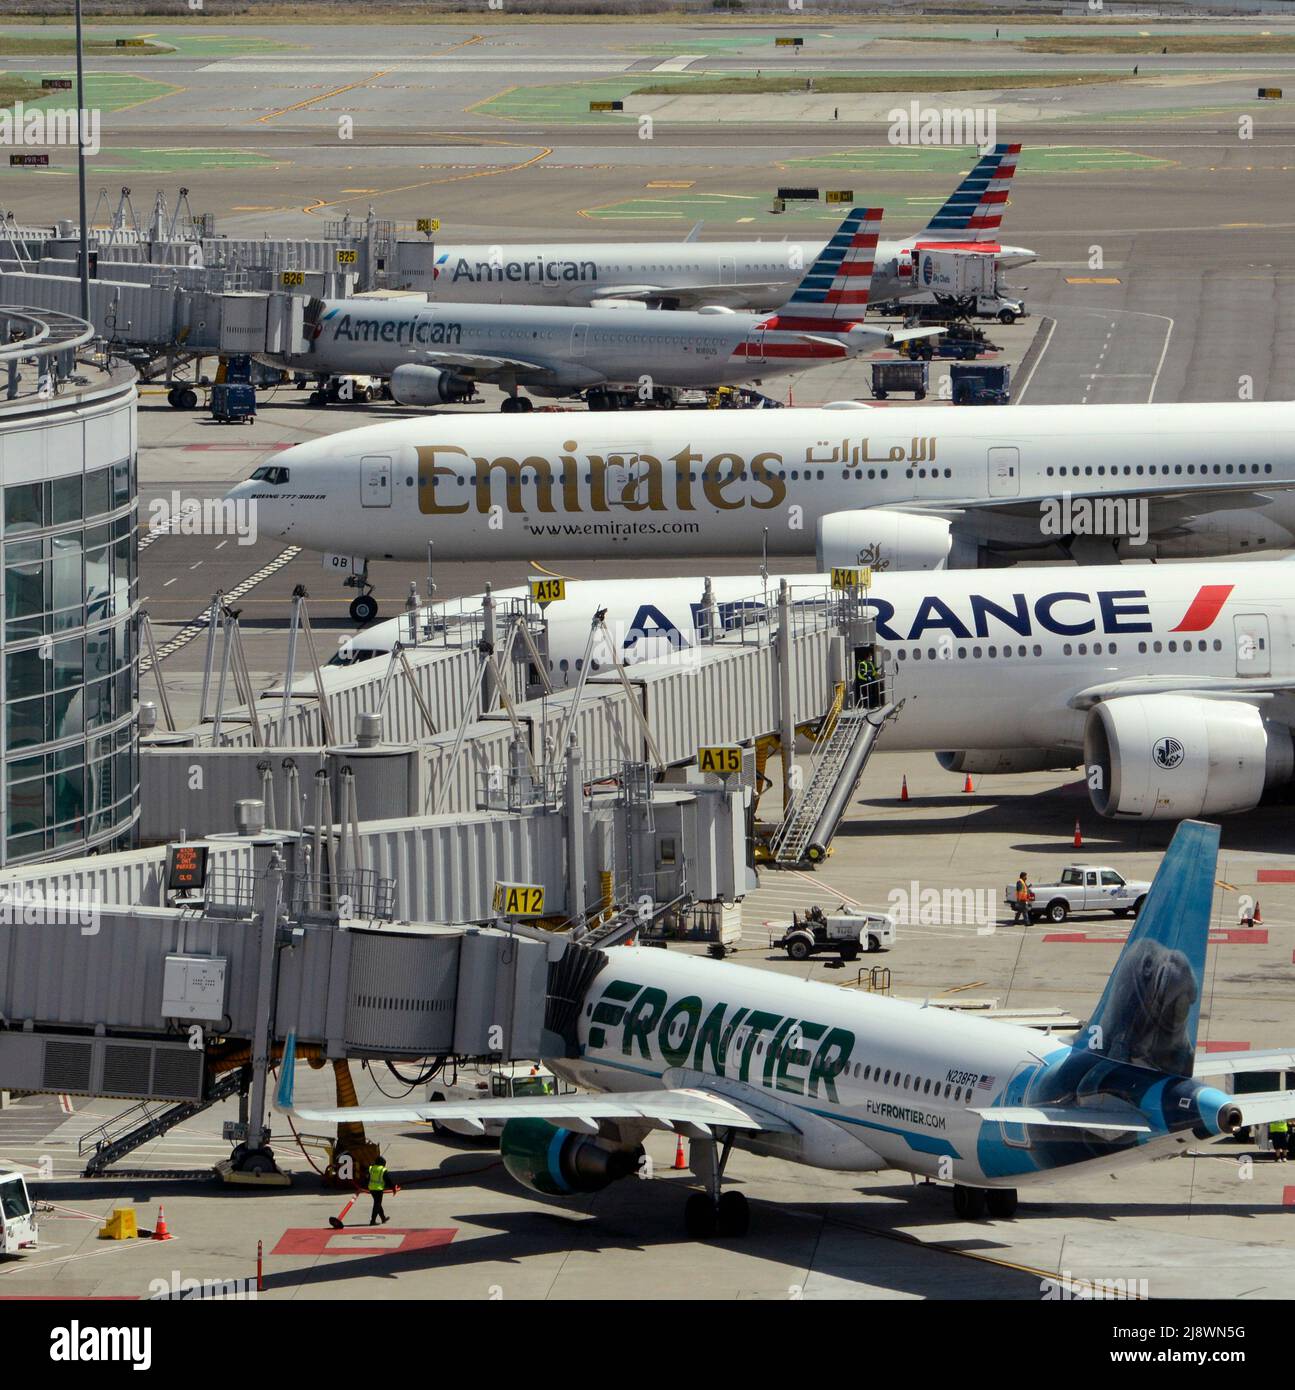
(17, 1220)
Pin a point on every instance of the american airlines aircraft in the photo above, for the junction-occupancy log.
(925, 487)
(434, 353)
(693, 274)
(735, 1056)
(1173, 685)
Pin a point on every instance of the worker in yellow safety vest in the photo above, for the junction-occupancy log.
(1279, 1138)
(377, 1186)
(1024, 896)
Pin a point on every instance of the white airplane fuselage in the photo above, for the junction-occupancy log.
(868, 1082)
(559, 351)
(752, 275)
(987, 659)
(673, 484)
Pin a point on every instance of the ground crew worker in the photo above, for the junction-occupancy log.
(1279, 1138)
(377, 1186)
(1023, 896)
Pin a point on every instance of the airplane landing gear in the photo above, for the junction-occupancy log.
(364, 607)
(974, 1203)
(711, 1213)
(515, 404)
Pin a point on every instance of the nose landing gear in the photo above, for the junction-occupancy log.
(364, 607)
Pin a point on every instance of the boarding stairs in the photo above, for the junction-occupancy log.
(124, 1133)
(835, 770)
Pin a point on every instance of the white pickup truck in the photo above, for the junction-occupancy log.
(1083, 888)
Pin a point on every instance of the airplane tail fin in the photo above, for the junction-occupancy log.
(834, 290)
(974, 210)
(287, 1074)
(1149, 1010)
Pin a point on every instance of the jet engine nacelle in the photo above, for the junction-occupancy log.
(1007, 759)
(558, 1162)
(888, 539)
(412, 384)
(1167, 757)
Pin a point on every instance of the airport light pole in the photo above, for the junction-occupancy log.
(84, 256)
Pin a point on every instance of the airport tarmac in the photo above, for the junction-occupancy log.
(1212, 1224)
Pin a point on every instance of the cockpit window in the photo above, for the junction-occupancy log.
(272, 475)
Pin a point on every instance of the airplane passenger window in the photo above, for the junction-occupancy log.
(1218, 646)
(1038, 650)
(975, 652)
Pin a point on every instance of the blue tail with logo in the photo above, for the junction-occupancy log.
(1149, 1011)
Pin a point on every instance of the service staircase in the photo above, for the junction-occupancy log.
(124, 1133)
(836, 768)
(620, 926)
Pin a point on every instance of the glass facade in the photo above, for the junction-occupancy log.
(71, 761)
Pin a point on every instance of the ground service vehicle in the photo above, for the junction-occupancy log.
(847, 933)
(1084, 888)
(17, 1220)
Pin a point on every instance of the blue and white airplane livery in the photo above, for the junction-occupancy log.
(728, 1055)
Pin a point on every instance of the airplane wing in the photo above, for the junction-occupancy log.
(1228, 1063)
(1263, 1107)
(482, 364)
(1257, 688)
(1128, 1121)
(687, 296)
(906, 335)
(691, 1111)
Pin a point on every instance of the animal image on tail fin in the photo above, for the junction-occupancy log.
(1148, 1012)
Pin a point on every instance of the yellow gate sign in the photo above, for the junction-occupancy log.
(546, 591)
(289, 278)
(724, 759)
(839, 195)
(852, 579)
(347, 257)
(428, 224)
(519, 899)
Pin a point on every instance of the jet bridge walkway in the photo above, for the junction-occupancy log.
(836, 769)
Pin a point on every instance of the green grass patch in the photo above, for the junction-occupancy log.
(14, 88)
(106, 91)
(1153, 43)
(57, 45)
(873, 82)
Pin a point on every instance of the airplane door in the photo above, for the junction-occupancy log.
(727, 270)
(375, 481)
(579, 334)
(1004, 472)
(625, 470)
(755, 344)
(1253, 644)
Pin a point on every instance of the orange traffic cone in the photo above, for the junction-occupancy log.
(679, 1160)
(966, 786)
(1258, 919)
(159, 1231)
(1079, 839)
(903, 788)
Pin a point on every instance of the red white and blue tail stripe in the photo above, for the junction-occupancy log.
(974, 211)
(834, 291)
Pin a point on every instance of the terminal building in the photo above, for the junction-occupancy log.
(69, 741)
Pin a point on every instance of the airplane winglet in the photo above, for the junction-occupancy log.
(287, 1074)
(696, 231)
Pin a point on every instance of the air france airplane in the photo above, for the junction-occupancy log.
(731, 1056)
(905, 488)
(694, 274)
(433, 353)
(1173, 685)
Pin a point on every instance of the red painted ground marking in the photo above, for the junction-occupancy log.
(1288, 1196)
(1225, 1047)
(361, 1240)
(1240, 936)
(1276, 876)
